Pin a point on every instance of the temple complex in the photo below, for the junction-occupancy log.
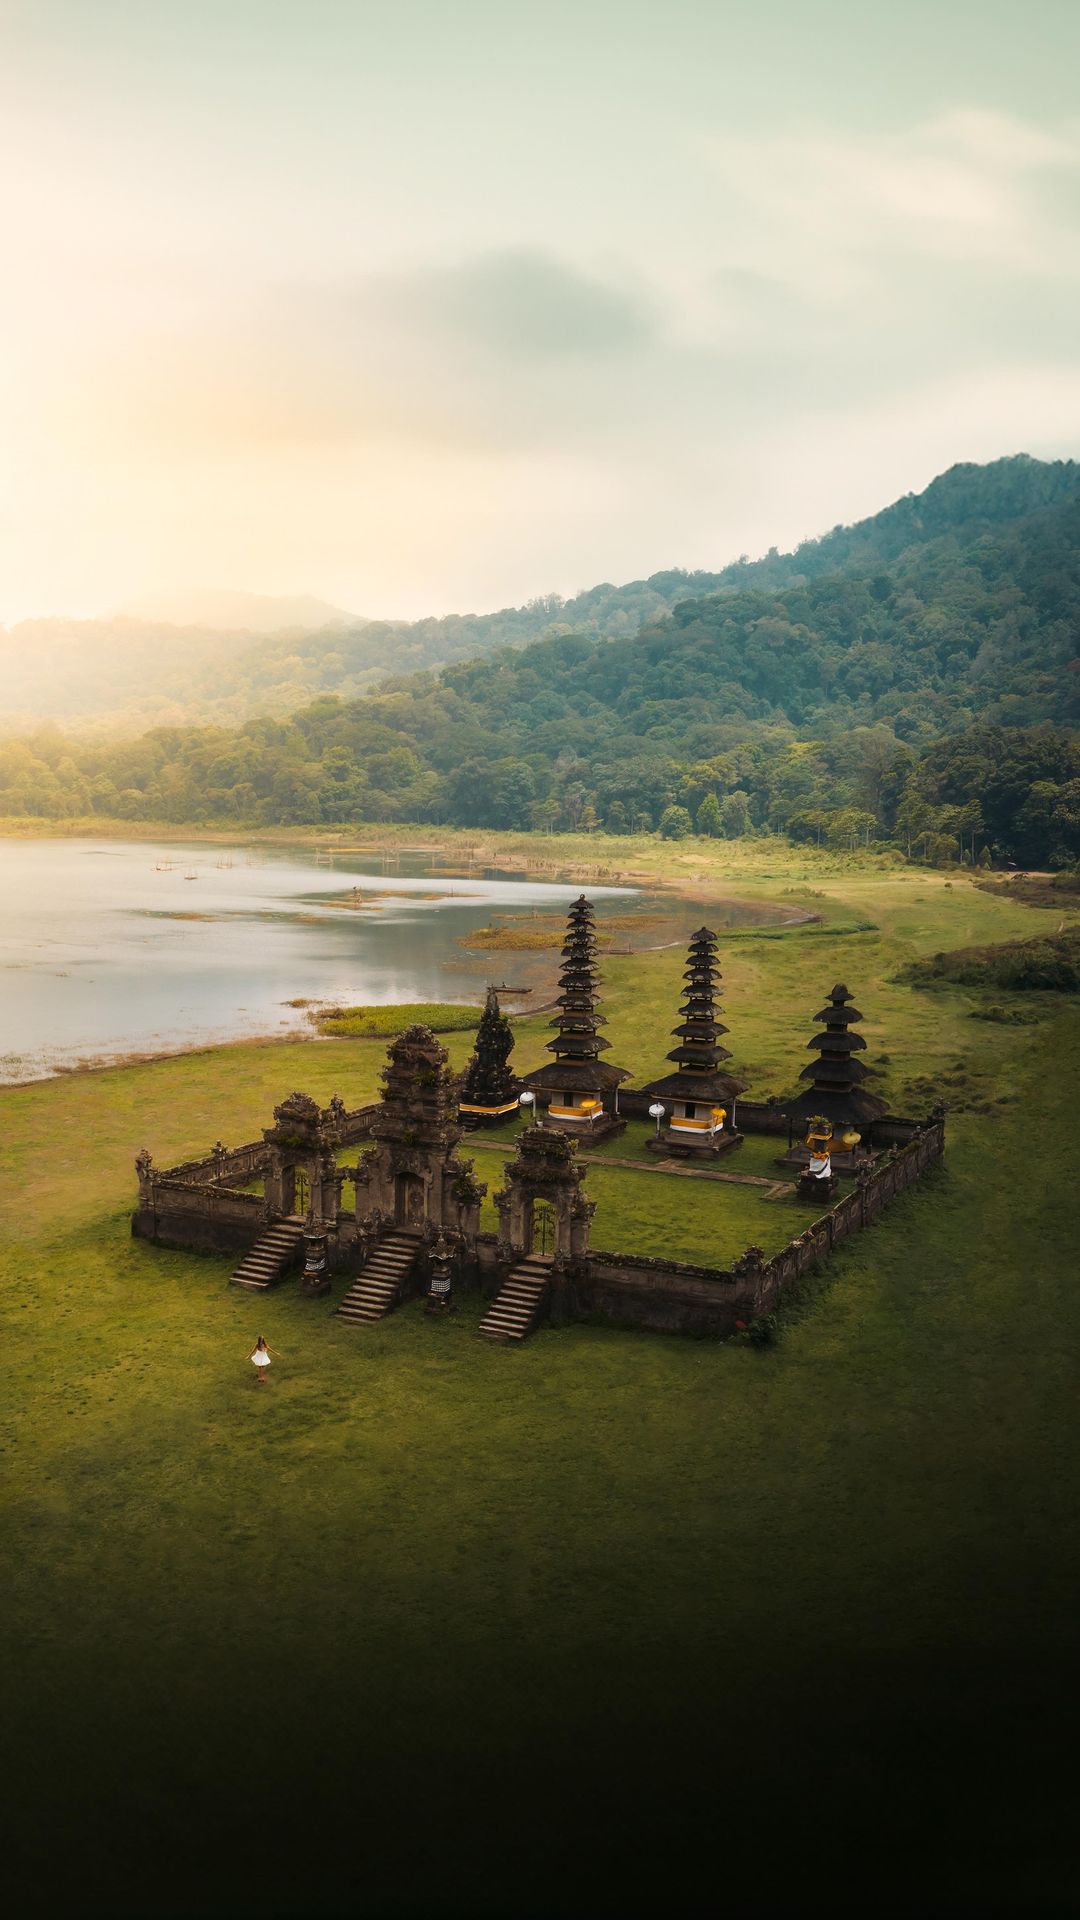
(578, 1092)
(699, 1096)
(278, 1207)
(489, 1090)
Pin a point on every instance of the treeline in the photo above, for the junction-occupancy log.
(986, 795)
(929, 703)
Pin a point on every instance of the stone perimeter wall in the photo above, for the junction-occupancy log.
(668, 1297)
(196, 1207)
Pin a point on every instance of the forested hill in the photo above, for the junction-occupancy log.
(810, 708)
(966, 501)
(124, 675)
(108, 677)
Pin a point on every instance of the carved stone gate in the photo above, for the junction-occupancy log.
(302, 1177)
(543, 1201)
(411, 1175)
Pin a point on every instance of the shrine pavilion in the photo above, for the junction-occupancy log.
(699, 1096)
(578, 1092)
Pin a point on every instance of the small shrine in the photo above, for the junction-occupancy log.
(489, 1090)
(694, 1107)
(818, 1183)
(836, 1097)
(578, 1091)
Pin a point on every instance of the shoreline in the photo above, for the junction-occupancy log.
(746, 888)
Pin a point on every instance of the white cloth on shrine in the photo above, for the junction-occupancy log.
(820, 1166)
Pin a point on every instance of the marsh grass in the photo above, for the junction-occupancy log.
(367, 1023)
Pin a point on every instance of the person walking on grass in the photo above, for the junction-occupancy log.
(260, 1357)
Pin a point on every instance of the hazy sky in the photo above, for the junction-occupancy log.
(437, 304)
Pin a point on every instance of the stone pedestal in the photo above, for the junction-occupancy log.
(818, 1190)
(683, 1146)
(605, 1127)
(315, 1278)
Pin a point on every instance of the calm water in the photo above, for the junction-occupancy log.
(113, 947)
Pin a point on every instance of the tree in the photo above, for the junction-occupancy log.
(735, 815)
(709, 820)
(675, 824)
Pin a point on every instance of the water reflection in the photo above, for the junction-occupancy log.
(116, 947)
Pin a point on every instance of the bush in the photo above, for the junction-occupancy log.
(1044, 965)
(763, 1331)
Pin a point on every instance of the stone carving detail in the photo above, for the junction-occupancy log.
(411, 1175)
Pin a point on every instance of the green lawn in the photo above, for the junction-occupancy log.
(610, 1623)
(709, 1222)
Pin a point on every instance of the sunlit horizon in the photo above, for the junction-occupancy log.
(440, 309)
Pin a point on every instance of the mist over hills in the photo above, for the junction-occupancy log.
(897, 677)
(215, 656)
(121, 676)
(224, 610)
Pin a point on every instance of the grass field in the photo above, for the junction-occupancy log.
(613, 1623)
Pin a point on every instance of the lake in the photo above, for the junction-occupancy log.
(110, 948)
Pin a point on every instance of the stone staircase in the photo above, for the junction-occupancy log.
(516, 1309)
(377, 1290)
(269, 1260)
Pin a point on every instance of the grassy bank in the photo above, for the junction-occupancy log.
(610, 1624)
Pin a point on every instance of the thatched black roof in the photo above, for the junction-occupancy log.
(717, 1088)
(589, 1076)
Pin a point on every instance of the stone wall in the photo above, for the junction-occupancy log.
(670, 1297)
(196, 1206)
(198, 1216)
(662, 1296)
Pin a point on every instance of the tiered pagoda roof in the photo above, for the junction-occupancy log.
(836, 1077)
(699, 1074)
(578, 1043)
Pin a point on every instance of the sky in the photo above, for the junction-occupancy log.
(434, 305)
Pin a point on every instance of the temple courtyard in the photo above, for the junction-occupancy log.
(432, 1626)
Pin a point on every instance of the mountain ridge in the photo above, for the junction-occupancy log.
(122, 678)
(101, 677)
(884, 699)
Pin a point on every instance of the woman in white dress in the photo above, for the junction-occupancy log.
(260, 1358)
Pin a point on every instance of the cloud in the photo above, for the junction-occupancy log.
(969, 184)
(516, 303)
